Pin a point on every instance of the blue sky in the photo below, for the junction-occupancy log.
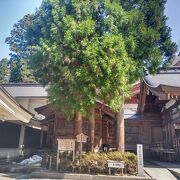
(13, 10)
(173, 13)
(10, 12)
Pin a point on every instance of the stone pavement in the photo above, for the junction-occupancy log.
(173, 167)
(159, 171)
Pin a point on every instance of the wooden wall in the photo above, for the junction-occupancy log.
(146, 130)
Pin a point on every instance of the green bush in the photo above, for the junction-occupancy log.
(97, 162)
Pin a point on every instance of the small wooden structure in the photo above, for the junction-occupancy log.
(81, 138)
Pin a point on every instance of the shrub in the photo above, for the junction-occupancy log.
(97, 162)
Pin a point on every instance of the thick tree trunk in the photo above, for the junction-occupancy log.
(78, 129)
(91, 130)
(78, 123)
(142, 98)
(120, 129)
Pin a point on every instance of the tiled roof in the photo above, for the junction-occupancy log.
(169, 77)
(176, 61)
(25, 90)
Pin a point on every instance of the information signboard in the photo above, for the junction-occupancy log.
(115, 164)
(65, 145)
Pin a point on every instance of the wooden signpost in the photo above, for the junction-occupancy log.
(81, 138)
(65, 145)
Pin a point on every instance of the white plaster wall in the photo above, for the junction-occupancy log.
(25, 90)
(31, 103)
(10, 153)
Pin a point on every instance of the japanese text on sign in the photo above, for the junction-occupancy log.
(66, 144)
(81, 138)
(115, 164)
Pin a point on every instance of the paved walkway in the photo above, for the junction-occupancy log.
(171, 166)
(158, 172)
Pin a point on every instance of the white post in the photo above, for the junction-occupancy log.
(21, 140)
(140, 160)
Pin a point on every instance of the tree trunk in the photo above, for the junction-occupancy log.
(91, 130)
(142, 97)
(78, 130)
(78, 123)
(120, 128)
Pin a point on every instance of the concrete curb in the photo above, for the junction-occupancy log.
(56, 175)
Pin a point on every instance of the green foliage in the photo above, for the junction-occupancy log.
(129, 158)
(15, 70)
(4, 71)
(97, 162)
(88, 50)
(19, 72)
(155, 18)
(17, 41)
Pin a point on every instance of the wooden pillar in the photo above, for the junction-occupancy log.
(104, 132)
(120, 128)
(55, 127)
(41, 139)
(78, 129)
(100, 129)
(91, 130)
(173, 135)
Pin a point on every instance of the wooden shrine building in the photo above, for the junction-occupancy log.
(161, 95)
(152, 118)
(59, 127)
